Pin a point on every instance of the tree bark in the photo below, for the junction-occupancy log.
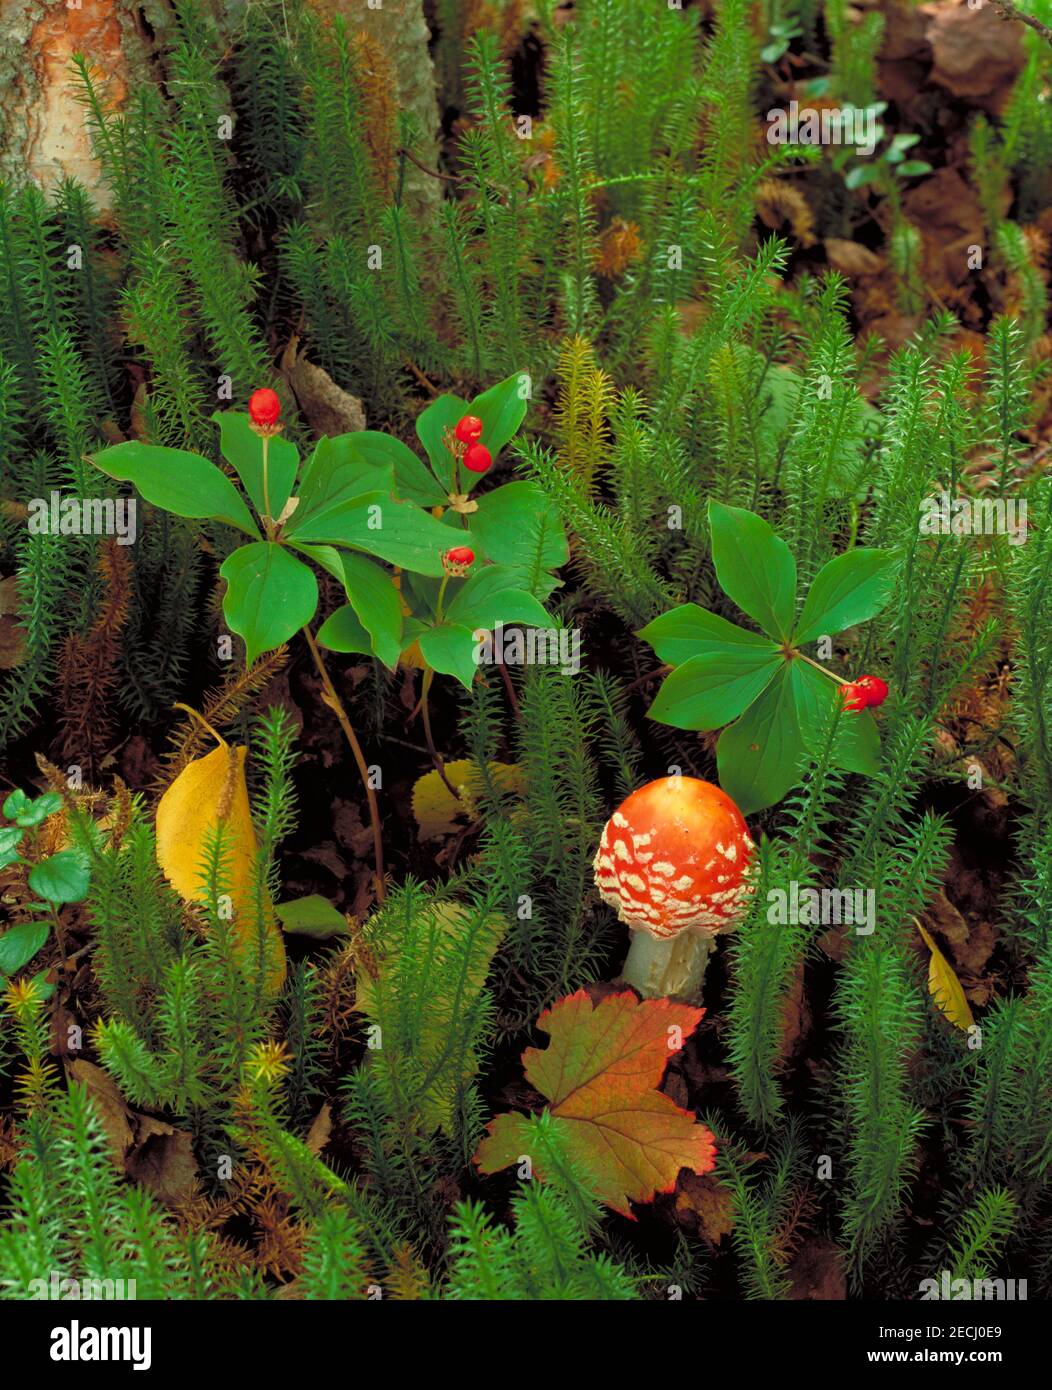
(401, 29)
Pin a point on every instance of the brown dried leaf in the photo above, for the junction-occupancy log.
(111, 1107)
(12, 634)
(976, 53)
(320, 1130)
(329, 409)
(704, 1206)
(852, 259)
(163, 1161)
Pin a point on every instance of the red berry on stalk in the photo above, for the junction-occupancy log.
(864, 693)
(853, 696)
(478, 459)
(468, 429)
(874, 689)
(461, 555)
(264, 408)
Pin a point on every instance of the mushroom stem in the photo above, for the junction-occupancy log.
(670, 967)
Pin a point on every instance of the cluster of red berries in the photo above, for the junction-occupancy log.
(864, 693)
(264, 410)
(468, 430)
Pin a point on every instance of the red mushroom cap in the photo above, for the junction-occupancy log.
(675, 856)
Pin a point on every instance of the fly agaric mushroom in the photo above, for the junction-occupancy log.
(673, 862)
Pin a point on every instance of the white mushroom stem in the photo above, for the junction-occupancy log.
(668, 967)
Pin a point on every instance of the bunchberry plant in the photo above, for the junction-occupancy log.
(53, 876)
(771, 696)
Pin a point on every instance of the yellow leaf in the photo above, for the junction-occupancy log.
(436, 809)
(208, 791)
(944, 986)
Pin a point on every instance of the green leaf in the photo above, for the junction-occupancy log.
(61, 878)
(502, 410)
(913, 168)
(178, 481)
(759, 755)
(689, 631)
(270, 595)
(39, 810)
(10, 839)
(857, 744)
(15, 803)
(399, 532)
(312, 916)
(754, 566)
(337, 472)
(860, 175)
(342, 631)
(710, 690)
(327, 556)
(378, 604)
(43, 986)
(19, 944)
(850, 589)
(412, 481)
(489, 597)
(519, 526)
(431, 425)
(450, 649)
(9, 856)
(243, 447)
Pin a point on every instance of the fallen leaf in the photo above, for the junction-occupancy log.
(330, 410)
(437, 811)
(312, 916)
(944, 986)
(208, 792)
(976, 54)
(704, 1206)
(850, 258)
(320, 1130)
(600, 1074)
(110, 1106)
(163, 1161)
(12, 633)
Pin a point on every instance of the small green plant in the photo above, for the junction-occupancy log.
(362, 494)
(764, 688)
(54, 879)
(885, 168)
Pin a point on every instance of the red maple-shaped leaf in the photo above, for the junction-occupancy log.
(600, 1073)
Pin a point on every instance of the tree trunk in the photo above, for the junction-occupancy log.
(401, 30)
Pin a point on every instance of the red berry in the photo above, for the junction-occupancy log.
(854, 696)
(461, 555)
(264, 407)
(478, 458)
(874, 689)
(469, 429)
